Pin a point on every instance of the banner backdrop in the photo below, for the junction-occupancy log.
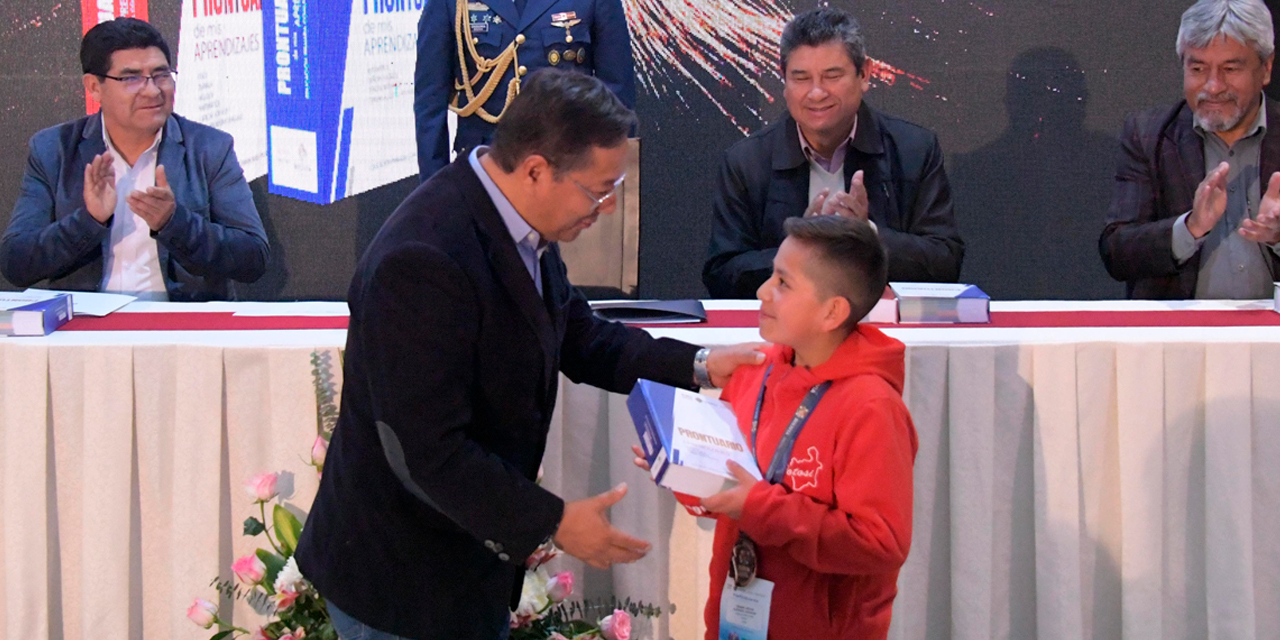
(95, 12)
(221, 82)
(339, 116)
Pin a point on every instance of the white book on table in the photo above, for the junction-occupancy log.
(941, 303)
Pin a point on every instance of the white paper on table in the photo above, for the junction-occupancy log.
(276, 309)
(89, 303)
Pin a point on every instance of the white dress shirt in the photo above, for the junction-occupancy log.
(133, 258)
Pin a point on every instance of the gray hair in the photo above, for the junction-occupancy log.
(818, 27)
(1247, 21)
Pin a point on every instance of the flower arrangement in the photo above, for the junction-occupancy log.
(270, 582)
(269, 578)
(544, 612)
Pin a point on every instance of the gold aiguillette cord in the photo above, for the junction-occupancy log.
(495, 69)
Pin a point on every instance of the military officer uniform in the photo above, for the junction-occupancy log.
(472, 55)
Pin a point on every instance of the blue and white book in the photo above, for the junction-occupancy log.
(688, 439)
(939, 303)
(39, 318)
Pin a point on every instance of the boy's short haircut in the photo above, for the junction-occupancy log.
(854, 264)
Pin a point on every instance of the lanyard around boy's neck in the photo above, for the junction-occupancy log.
(782, 455)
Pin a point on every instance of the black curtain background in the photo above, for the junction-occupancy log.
(1027, 98)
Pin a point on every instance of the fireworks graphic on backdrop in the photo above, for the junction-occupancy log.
(725, 46)
(35, 21)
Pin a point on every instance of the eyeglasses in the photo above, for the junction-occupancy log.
(601, 200)
(133, 84)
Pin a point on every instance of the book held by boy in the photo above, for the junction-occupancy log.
(938, 303)
(39, 318)
(688, 440)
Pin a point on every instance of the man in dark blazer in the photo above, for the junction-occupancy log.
(133, 199)
(462, 318)
(501, 42)
(831, 154)
(1196, 207)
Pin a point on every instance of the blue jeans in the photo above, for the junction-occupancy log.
(349, 628)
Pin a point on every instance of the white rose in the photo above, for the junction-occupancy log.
(533, 596)
(289, 577)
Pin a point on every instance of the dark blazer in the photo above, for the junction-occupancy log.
(428, 508)
(1160, 166)
(601, 47)
(765, 179)
(214, 236)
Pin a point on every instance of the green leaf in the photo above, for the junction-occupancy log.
(224, 634)
(274, 564)
(253, 526)
(288, 529)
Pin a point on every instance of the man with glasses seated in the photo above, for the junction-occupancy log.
(133, 199)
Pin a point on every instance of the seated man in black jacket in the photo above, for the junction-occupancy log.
(832, 154)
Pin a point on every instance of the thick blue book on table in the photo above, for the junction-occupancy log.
(37, 318)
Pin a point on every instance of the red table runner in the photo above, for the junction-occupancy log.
(228, 321)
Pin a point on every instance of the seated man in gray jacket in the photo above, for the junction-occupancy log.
(133, 199)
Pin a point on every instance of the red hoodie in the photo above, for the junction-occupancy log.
(834, 533)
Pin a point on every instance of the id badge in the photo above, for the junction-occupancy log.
(744, 611)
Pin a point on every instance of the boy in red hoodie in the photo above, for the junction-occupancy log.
(832, 530)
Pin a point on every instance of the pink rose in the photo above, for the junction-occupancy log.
(560, 587)
(287, 636)
(249, 569)
(203, 613)
(284, 599)
(318, 451)
(299, 633)
(262, 487)
(259, 634)
(616, 626)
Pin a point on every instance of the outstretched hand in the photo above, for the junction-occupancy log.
(585, 533)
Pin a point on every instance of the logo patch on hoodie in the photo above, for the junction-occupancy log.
(803, 472)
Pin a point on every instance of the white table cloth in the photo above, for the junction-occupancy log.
(1070, 483)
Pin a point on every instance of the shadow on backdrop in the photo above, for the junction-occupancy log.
(1031, 204)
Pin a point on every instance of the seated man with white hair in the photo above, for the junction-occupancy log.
(1196, 208)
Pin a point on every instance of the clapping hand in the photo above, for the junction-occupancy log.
(1210, 202)
(156, 204)
(100, 188)
(1266, 228)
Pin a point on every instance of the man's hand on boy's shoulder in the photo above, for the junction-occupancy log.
(722, 361)
(731, 502)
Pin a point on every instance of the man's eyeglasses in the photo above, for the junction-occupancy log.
(133, 84)
(601, 200)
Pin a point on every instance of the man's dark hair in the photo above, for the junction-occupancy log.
(560, 115)
(854, 264)
(820, 26)
(117, 35)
